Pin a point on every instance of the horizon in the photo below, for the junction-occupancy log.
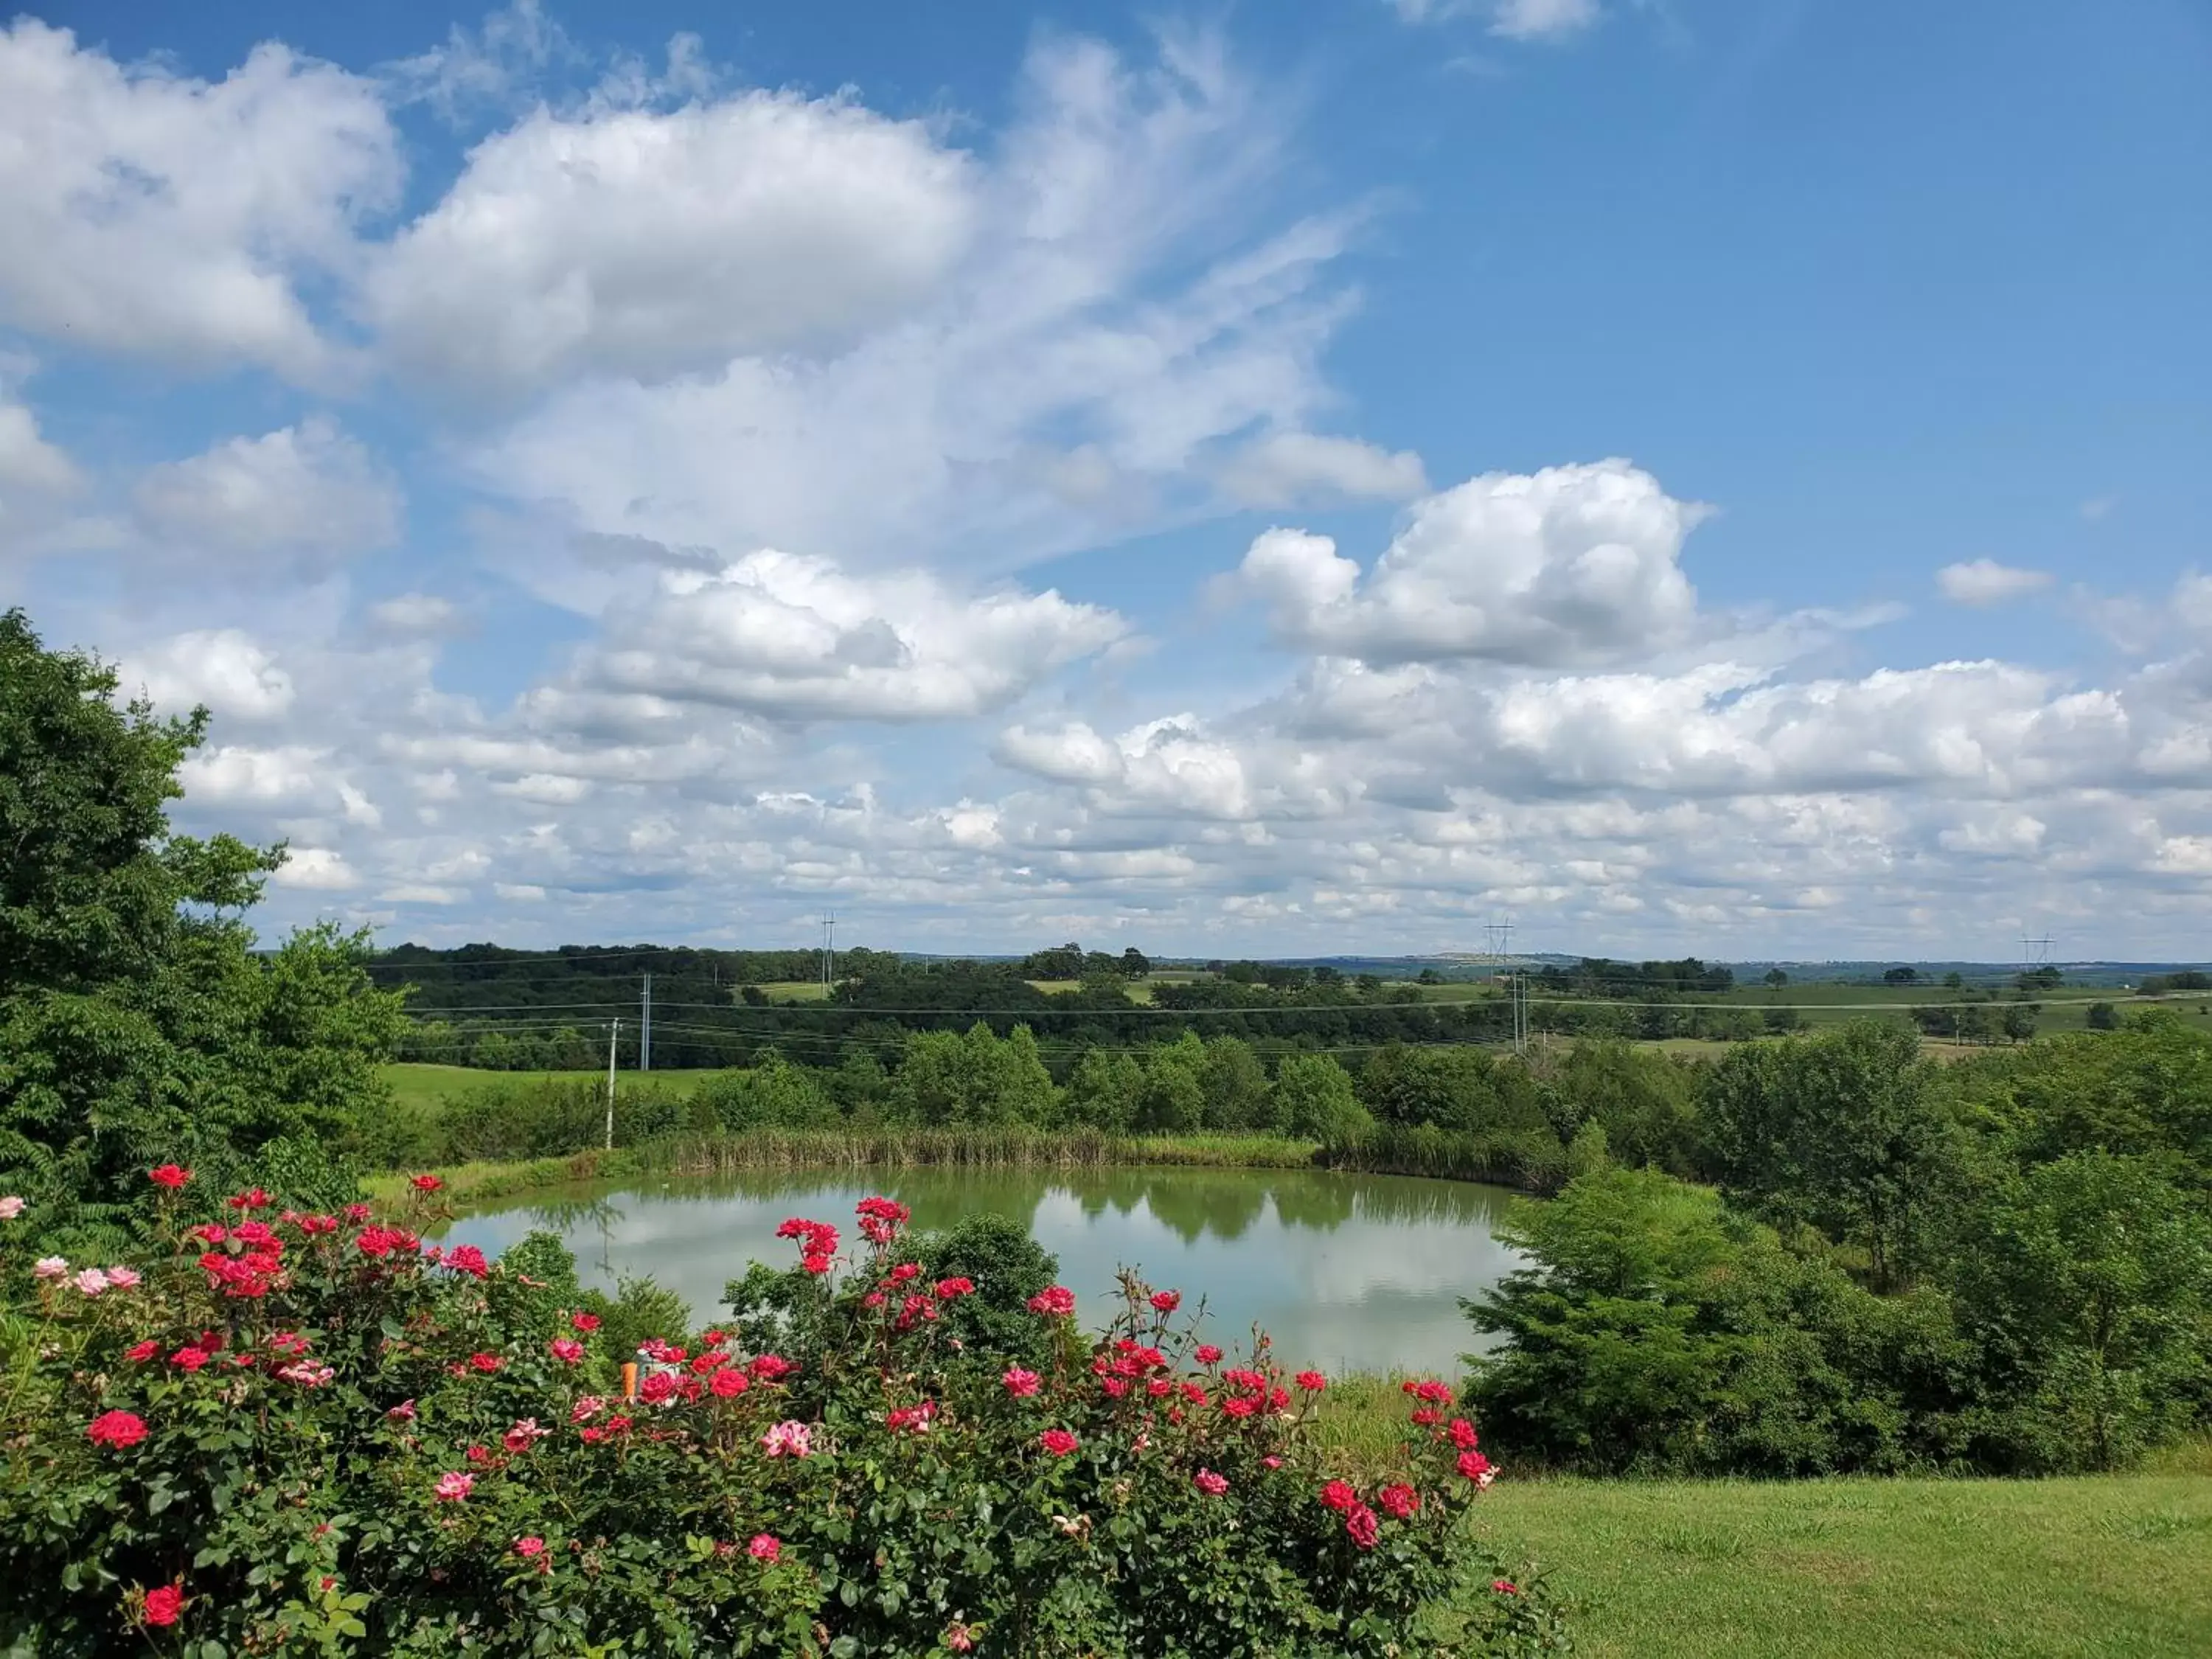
(1682, 478)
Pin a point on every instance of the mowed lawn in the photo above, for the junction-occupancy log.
(1873, 1568)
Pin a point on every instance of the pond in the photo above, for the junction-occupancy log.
(1346, 1271)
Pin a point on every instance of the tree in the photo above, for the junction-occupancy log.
(2088, 1279)
(2102, 1017)
(1313, 1099)
(1105, 1091)
(1135, 965)
(1776, 979)
(1236, 1086)
(136, 1023)
(1842, 1130)
(2019, 1019)
(1175, 1096)
(1658, 1329)
(1901, 976)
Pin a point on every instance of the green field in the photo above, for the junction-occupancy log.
(414, 1083)
(1886, 1568)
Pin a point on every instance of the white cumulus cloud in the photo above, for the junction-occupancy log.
(800, 638)
(224, 670)
(306, 496)
(642, 243)
(1570, 565)
(153, 213)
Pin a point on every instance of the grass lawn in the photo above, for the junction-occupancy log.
(1890, 1569)
(1846, 1569)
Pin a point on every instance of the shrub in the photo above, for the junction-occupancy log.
(307, 1435)
(1659, 1331)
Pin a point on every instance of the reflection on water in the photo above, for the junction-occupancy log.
(1346, 1271)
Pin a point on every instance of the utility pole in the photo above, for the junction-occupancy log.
(829, 953)
(645, 1033)
(614, 1031)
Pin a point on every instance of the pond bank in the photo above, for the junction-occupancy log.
(701, 1155)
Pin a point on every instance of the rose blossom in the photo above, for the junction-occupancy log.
(585, 1408)
(585, 1322)
(454, 1486)
(91, 1281)
(789, 1439)
(425, 1184)
(138, 1352)
(566, 1349)
(1474, 1466)
(529, 1547)
(523, 1435)
(1463, 1435)
(402, 1412)
(1166, 1302)
(1057, 1301)
(1311, 1382)
(1020, 1383)
(120, 1429)
(50, 1267)
(1339, 1495)
(163, 1603)
(122, 1278)
(728, 1384)
(1365, 1530)
(1211, 1484)
(189, 1357)
(1506, 1587)
(1058, 1442)
(1207, 1354)
(1399, 1501)
(10, 1207)
(764, 1547)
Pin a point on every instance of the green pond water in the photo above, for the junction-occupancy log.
(1346, 1272)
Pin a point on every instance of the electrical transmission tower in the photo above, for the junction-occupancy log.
(1500, 936)
(2034, 952)
(828, 952)
(645, 1029)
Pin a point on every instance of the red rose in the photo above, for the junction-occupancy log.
(1365, 1530)
(168, 1175)
(140, 1352)
(163, 1603)
(425, 1184)
(1399, 1501)
(728, 1384)
(1167, 1301)
(585, 1321)
(1339, 1495)
(1208, 1354)
(1311, 1382)
(764, 1548)
(1058, 1442)
(117, 1429)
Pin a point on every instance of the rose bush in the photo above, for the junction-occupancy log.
(315, 1434)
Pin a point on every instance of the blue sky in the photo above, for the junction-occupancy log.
(1690, 476)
